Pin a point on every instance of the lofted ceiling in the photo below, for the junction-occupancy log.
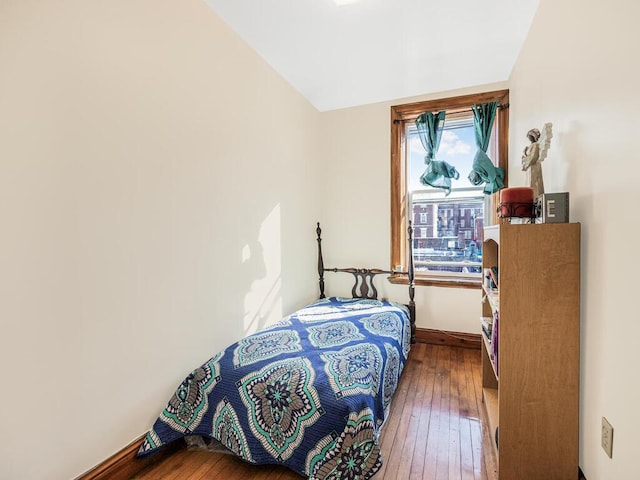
(375, 50)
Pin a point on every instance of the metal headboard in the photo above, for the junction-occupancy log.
(363, 286)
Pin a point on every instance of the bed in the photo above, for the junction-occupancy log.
(310, 392)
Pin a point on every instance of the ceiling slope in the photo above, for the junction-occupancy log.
(377, 50)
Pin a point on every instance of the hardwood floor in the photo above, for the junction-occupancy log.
(434, 431)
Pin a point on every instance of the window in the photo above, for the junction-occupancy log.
(447, 229)
(451, 228)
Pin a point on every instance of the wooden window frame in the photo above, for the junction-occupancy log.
(400, 115)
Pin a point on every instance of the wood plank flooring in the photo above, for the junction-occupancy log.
(434, 430)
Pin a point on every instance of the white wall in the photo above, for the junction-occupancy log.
(145, 223)
(579, 70)
(158, 193)
(355, 156)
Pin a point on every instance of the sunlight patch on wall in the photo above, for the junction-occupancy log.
(262, 260)
(246, 253)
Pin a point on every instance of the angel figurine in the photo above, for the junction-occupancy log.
(533, 156)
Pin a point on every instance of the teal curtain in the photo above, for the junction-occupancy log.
(483, 169)
(438, 173)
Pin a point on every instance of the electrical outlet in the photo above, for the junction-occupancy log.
(607, 437)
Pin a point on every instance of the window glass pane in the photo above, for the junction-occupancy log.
(449, 243)
(457, 147)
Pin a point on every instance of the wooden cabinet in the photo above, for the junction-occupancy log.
(530, 383)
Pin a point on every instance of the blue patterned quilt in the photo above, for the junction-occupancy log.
(310, 392)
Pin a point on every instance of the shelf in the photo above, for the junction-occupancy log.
(489, 348)
(490, 397)
(493, 297)
(536, 339)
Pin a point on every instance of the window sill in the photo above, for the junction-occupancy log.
(433, 281)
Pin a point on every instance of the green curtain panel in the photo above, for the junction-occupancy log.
(438, 173)
(483, 169)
